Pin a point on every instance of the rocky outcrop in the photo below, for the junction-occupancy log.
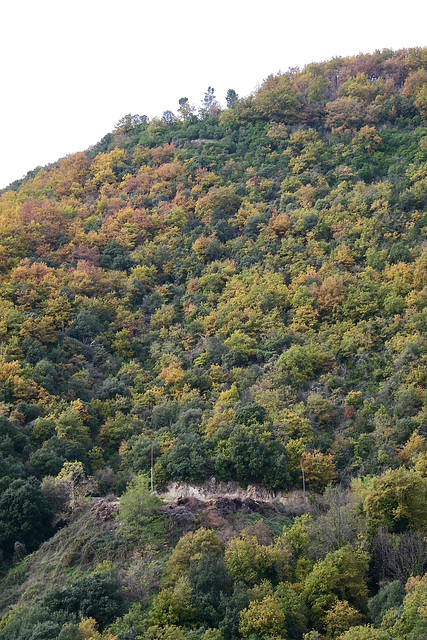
(213, 488)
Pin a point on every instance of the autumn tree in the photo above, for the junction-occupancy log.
(319, 469)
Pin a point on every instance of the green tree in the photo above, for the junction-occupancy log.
(413, 620)
(98, 596)
(67, 491)
(231, 99)
(248, 455)
(173, 605)
(25, 516)
(341, 575)
(251, 562)
(263, 619)
(341, 617)
(300, 363)
(70, 426)
(140, 513)
(389, 596)
(186, 461)
(294, 608)
(189, 550)
(211, 585)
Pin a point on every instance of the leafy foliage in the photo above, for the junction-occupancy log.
(140, 513)
(241, 292)
(25, 516)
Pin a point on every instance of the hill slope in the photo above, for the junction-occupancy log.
(239, 293)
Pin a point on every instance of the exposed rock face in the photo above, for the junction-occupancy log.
(215, 488)
(209, 504)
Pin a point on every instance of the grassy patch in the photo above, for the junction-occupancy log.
(274, 522)
(71, 552)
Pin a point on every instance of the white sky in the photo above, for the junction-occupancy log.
(70, 69)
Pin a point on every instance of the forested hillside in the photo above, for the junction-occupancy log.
(235, 293)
